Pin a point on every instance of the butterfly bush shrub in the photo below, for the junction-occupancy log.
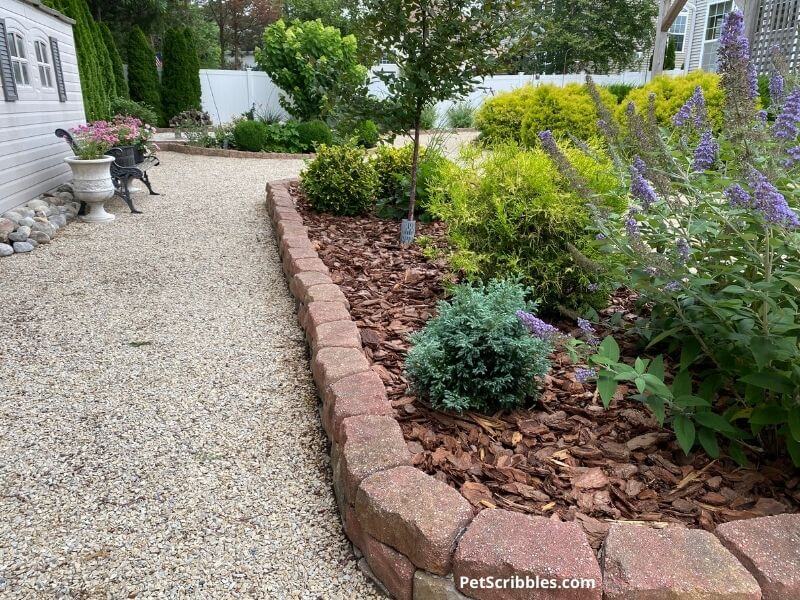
(710, 242)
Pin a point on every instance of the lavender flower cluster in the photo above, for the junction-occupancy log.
(733, 61)
(765, 199)
(640, 187)
(705, 155)
(693, 111)
(537, 327)
(786, 125)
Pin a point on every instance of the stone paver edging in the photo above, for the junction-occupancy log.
(421, 539)
(184, 148)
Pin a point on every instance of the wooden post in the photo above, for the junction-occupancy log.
(668, 10)
(750, 11)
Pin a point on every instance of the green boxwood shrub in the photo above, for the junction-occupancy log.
(367, 133)
(476, 354)
(143, 81)
(500, 118)
(127, 107)
(620, 91)
(250, 135)
(672, 92)
(510, 213)
(340, 180)
(313, 133)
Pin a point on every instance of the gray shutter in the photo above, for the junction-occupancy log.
(56, 56)
(6, 74)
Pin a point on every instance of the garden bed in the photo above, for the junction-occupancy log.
(183, 148)
(565, 456)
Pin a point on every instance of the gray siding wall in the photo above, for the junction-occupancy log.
(31, 157)
(698, 30)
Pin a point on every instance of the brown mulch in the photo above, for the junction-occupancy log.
(566, 457)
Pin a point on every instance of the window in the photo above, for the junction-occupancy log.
(716, 14)
(43, 62)
(678, 31)
(19, 60)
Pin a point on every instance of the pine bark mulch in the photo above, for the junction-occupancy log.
(566, 456)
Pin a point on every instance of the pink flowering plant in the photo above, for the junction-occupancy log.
(131, 131)
(94, 139)
(710, 244)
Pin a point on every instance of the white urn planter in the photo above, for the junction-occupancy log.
(92, 184)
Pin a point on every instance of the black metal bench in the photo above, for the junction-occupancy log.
(121, 173)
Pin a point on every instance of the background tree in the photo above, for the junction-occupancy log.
(669, 54)
(313, 63)
(192, 57)
(143, 81)
(240, 24)
(441, 48)
(179, 78)
(553, 36)
(116, 61)
(331, 12)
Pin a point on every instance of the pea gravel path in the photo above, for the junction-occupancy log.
(158, 427)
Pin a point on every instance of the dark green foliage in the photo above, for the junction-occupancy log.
(116, 61)
(669, 55)
(620, 91)
(427, 119)
(143, 81)
(476, 354)
(340, 181)
(312, 133)
(763, 91)
(393, 166)
(97, 78)
(193, 70)
(283, 137)
(178, 89)
(126, 106)
(368, 134)
(250, 135)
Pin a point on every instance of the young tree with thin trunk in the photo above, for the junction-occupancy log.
(441, 48)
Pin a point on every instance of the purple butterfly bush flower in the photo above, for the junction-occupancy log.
(794, 156)
(705, 155)
(537, 327)
(769, 201)
(761, 115)
(673, 286)
(693, 110)
(776, 85)
(631, 224)
(684, 250)
(583, 375)
(738, 74)
(738, 197)
(786, 125)
(640, 187)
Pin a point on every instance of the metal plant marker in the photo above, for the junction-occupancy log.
(407, 230)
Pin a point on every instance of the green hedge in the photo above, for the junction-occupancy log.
(178, 89)
(143, 81)
(116, 61)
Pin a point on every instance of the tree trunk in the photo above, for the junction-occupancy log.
(412, 196)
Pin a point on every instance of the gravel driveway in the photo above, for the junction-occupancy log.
(159, 434)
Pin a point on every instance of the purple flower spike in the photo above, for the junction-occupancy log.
(776, 84)
(705, 155)
(640, 187)
(738, 74)
(738, 197)
(673, 286)
(537, 327)
(768, 200)
(786, 125)
(583, 375)
(684, 250)
(693, 110)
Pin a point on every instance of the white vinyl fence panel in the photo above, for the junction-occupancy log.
(227, 94)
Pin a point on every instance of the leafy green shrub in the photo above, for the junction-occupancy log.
(283, 137)
(393, 166)
(763, 91)
(620, 91)
(460, 116)
(313, 63)
(500, 118)
(476, 354)
(367, 133)
(567, 110)
(672, 92)
(250, 135)
(130, 108)
(312, 133)
(340, 181)
(143, 81)
(509, 213)
(428, 117)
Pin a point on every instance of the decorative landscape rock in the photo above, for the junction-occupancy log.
(642, 563)
(428, 586)
(6, 250)
(504, 545)
(770, 549)
(394, 570)
(415, 514)
(25, 227)
(22, 247)
(21, 234)
(6, 227)
(40, 237)
(359, 394)
(332, 364)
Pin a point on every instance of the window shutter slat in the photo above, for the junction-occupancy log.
(56, 56)
(6, 74)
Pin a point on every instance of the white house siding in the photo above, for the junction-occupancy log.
(31, 157)
(698, 31)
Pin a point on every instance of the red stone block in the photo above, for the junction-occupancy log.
(299, 265)
(325, 293)
(335, 334)
(538, 552)
(642, 563)
(415, 514)
(286, 213)
(315, 314)
(769, 547)
(360, 394)
(394, 570)
(292, 255)
(370, 443)
(332, 364)
(290, 228)
(294, 241)
(301, 283)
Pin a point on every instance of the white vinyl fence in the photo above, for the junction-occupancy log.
(227, 94)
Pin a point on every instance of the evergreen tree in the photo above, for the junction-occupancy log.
(143, 82)
(116, 61)
(669, 54)
(178, 90)
(194, 72)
